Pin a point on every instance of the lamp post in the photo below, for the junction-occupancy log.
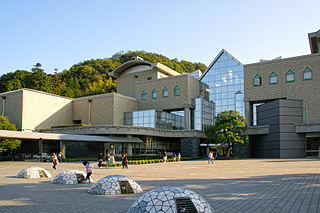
(3, 104)
(89, 101)
(235, 99)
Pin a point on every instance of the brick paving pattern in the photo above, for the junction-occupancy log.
(254, 185)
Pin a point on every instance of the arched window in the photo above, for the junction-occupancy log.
(144, 95)
(290, 76)
(154, 94)
(273, 78)
(307, 74)
(165, 92)
(257, 80)
(176, 91)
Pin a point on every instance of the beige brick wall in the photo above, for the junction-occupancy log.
(12, 107)
(42, 110)
(106, 109)
(189, 88)
(306, 90)
(123, 104)
(126, 83)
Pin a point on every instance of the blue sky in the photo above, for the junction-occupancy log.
(60, 33)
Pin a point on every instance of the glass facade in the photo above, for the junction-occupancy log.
(155, 119)
(225, 80)
(202, 114)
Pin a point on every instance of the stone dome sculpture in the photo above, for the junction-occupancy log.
(170, 199)
(34, 172)
(70, 177)
(115, 185)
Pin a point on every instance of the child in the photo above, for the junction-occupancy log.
(88, 170)
(108, 160)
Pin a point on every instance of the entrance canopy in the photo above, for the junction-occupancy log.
(65, 137)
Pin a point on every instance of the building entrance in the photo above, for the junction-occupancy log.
(313, 147)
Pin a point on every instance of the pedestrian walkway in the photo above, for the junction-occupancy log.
(263, 185)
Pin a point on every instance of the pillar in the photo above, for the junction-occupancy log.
(105, 148)
(248, 113)
(187, 118)
(63, 148)
(129, 149)
(40, 149)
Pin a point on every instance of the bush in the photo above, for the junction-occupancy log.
(228, 158)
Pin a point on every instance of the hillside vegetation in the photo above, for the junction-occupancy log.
(85, 78)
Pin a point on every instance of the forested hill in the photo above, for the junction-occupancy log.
(85, 78)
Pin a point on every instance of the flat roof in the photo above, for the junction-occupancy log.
(65, 137)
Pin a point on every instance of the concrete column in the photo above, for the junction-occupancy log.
(187, 118)
(129, 149)
(248, 113)
(40, 149)
(207, 149)
(105, 147)
(63, 148)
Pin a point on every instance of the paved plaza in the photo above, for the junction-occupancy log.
(254, 185)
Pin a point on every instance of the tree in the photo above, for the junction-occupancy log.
(8, 144)
(228, 130)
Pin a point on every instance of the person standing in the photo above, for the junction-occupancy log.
(60, 157)
(179, 156)
(108, 160)
(54, 160)
(124, 161)
(100, 159)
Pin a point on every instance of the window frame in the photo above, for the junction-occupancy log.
(144, 95)
(177, 88)
(290, 72)
(260, 80)
(165, 90)
(154, 91)
(307, 70)
(272, 75)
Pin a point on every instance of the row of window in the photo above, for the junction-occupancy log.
(165, 93)
(290, 77)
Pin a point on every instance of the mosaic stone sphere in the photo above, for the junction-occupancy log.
(34, 172)
(70, 177)
(115, 185)
(170, 200)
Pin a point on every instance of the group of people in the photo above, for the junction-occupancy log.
(100, 159)
(175, 157)
(56, 159)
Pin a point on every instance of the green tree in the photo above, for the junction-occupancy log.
(228, 130)
(8, 144)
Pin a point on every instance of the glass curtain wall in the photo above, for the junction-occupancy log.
(155, 119)
(225, 80)
(203, 114)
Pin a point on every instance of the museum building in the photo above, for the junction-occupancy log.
(156, 109)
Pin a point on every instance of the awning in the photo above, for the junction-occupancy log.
(66, 137)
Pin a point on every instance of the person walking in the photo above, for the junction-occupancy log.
(108, 160)
(54, 160)
(100, 159)
(124, 161)
(165, 156)
(210, 157)
(60, 157)
(88, 170)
